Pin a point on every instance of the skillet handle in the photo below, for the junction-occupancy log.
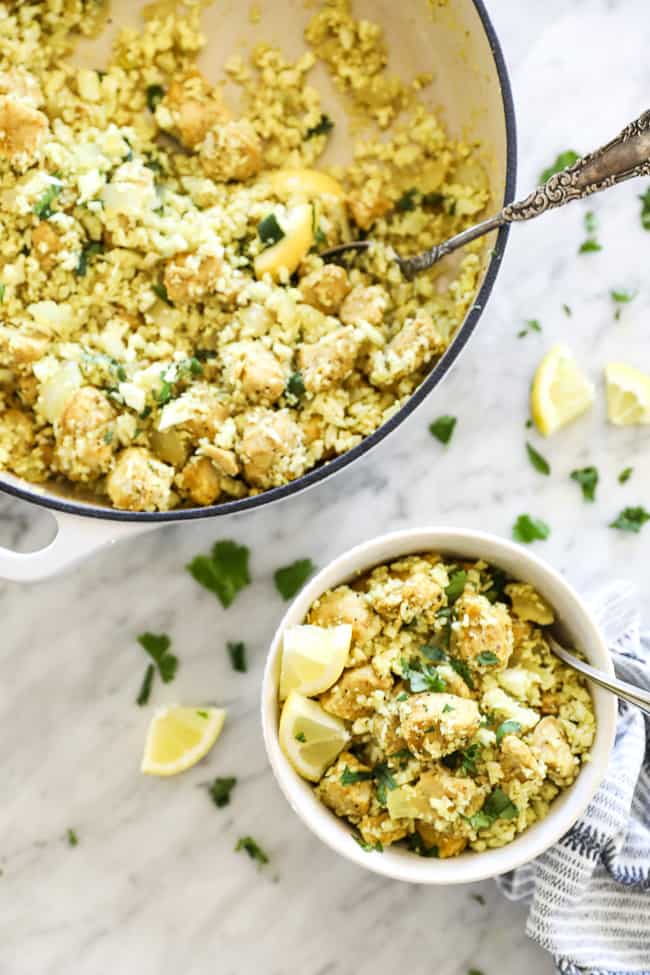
(76, 538)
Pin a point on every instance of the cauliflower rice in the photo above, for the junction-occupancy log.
(168, 334)
(463, 726)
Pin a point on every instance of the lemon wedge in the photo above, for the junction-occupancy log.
(560, 392)
(313, 658)
(178, 738)
(310, 737)
(292, 248)
(308, 183)
(628, 394)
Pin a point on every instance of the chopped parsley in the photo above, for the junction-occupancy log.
(456, 586)
(322, 127)
(530, 325)
(587, 478)
(567, 310)
(496, 806)
(407, 201)
(237, 653)
(301, 737)
(591, 225)
(384, 781)
(507, 728)
(253, 849)
(43, 208)
(145, 689)
(367, 847)
(290, 579)
(295, 385)
(539, 463)
(155, 94)
(631, 519)
(621, 296)
(645, 209)
(89, 250)
(160, 291)
(157, 646)
(625, 475)
(417, 845)
(463, 671)
(443, 428)
(476, 971)
(348, 777)
(498, 580)
(465, 760)
(527, 529)
(422, 677)
(220, 791)
(564, 159)
(224, 572)
(480, 899)
(108, 437)
(487, 658)
(269, 230)
(72, 838)
(3, 288)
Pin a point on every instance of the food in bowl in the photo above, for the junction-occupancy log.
(424, 703)
(169, 335)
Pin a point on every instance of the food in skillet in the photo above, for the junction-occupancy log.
(424, 703)
(168, 334)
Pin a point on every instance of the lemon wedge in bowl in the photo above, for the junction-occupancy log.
(628, 394)
(180, 737)
(313, 658)
(310, 737)
(560, 392)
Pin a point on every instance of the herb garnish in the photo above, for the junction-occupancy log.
(237, 653)
(587, 478)
(160, 291)
(465, 760)
(43, 209)
(269, 230)
(3, 288)
(527, 529)
(496, 806)
(89, 250)
(631, 519)
(301, 737)
(498, 580)
(291, 578)
(367, 847)
(625, 475)
(480, 899)
(531, 325)
(145, 690)
(463, 671)
(564, 159)
(567, 310)
(322, 127)
(443, 428)
(487, 658)
(591, 225)
(406, 202)
(295, 385)
(456, 586)
(507, 728)
(224, 572)
(380, 774)
(253, 849)
(155, 94)
(220, 791)
(349, 777)
(645, 209)
(73, 839)
(157, 646)
(539, 463)
(417, 845)
(422, 677)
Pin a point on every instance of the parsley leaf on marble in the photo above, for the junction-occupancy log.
(539, 463)
(507, 728)
(443, 428)
(145, 689)
(220, 791)
(631, 519)
(527, 529)
(564, 159)
(237, 654)
(625, 475)
(157, 646)
(591, 225)
(322, 127)
(475, 971)
(620, 297)
(253, 849)
(531, 325)
(645, 209)
(290, 579)
(480, 899)
(567, 310)
(587, 478)
(72, 838)
(224, 572)
(155, 94)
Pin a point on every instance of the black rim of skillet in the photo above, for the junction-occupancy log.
(429, 383)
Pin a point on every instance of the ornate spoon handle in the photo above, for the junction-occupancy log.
(625, 156)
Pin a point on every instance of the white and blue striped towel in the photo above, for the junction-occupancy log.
(589, 894)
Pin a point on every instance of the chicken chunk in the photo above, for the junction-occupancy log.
(353, 800)
(224, 460)
(328, 361)
(271, 448)
(364, 304)
(16, 438)
(190, 277)
(518, 761)
(203, 409)
(85, 435)
(22, 129)
(326, 288)
(20, 84)
(262, 377)
(344, 605)
(200, 480)
(421, 596)
(417, 342)
(190, 108)
(387, 732)
(438, 797)
(435, 724)
(139, 482)
(381, 830)
(46, 244)
(527, 603)
(482, 633)
(231, 151)
(19, 348)
(446, 844)
(349, 698)
(550, 743)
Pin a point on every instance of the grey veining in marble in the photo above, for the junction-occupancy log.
(154, 886)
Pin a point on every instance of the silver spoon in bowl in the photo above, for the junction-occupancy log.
(627, 692)
(625, 156)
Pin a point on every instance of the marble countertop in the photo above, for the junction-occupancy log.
(154, 886)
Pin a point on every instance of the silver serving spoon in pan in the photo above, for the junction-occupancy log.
(627, 692)
(625, 156)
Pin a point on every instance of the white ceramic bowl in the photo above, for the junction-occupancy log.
(577, 623)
